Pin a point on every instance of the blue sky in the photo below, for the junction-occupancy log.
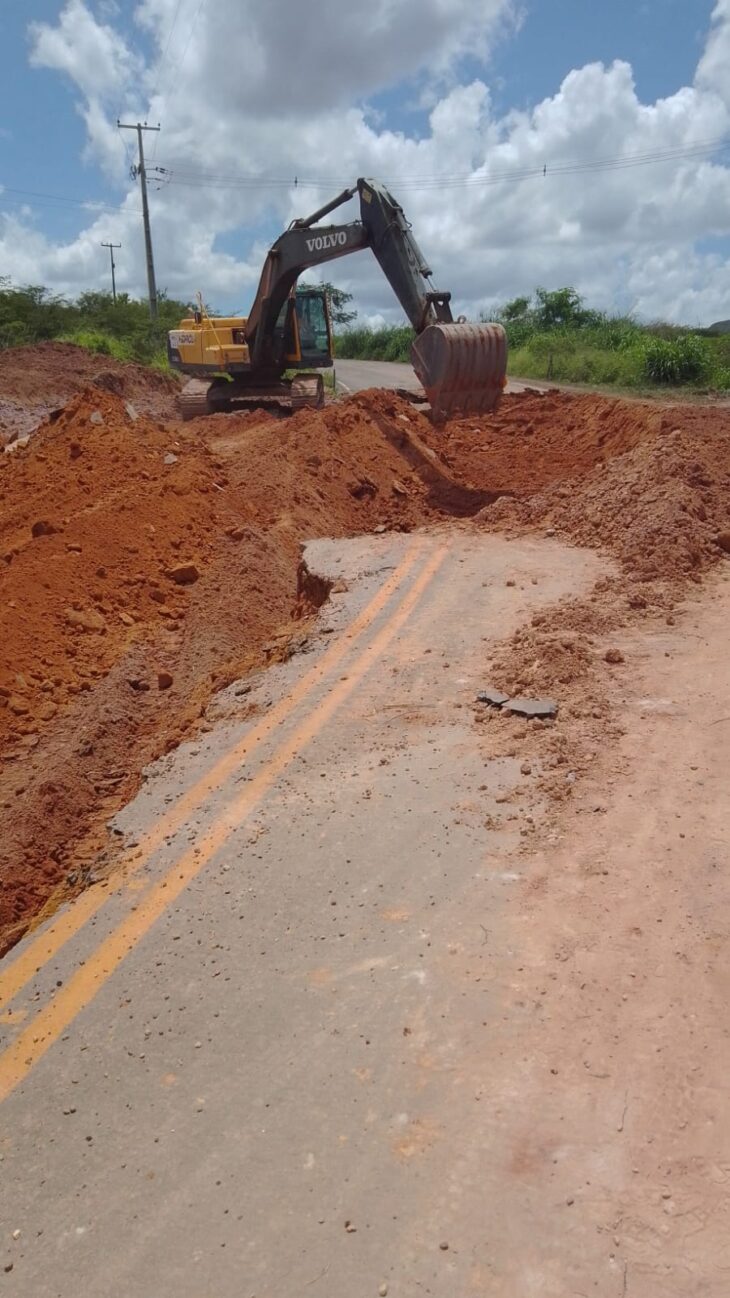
(43, 149)
(44, 146)
(662, 40)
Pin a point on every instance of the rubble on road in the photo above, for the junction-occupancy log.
(531, 708)
(544, 708)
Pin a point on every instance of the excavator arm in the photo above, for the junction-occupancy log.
(462, 367)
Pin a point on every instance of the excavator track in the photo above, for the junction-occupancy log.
(198, 398)
(193, 400)
(307, 390)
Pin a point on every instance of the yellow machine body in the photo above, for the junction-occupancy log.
(215, 353)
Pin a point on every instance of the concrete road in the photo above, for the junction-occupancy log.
(255, 1063)
(353, 376)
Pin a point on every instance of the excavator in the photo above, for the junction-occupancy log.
(237, 361)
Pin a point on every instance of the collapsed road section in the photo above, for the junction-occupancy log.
(147, 564)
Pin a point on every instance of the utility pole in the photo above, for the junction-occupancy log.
(111, 247)
(140, 171)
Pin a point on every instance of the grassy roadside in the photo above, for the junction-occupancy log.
(642, 362)
(121, 329)
(553, 337)
(635, 362)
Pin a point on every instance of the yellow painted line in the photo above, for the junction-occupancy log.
(23, 1054)
(70, 921)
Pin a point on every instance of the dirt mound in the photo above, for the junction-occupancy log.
(144, 567)
(661, 505)
(93, 515)
(649, 483)
(538, 438)
(37, 379)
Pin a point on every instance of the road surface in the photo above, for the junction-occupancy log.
(354, 376)
(331, 1029)
(253, 1065)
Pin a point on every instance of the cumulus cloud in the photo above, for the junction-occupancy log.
(499, 204)
(92, 53)
(276, 59)
(713, 72)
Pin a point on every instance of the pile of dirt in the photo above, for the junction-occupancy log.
(662, 507)
(97, 515)
(646, 483)
(649, 483)
(143, 567)
(537, 438)
(37, 379)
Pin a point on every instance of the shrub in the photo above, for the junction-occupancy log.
(15, 333)
(684, 359)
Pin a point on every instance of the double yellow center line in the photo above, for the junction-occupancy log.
(31, 1044)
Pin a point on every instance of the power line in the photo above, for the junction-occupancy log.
(181, 61)
(188, 177)
(211, 180)
(193, 25)
(161, 65)
(90, 203)
(173, 24)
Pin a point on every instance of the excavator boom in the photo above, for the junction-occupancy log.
(462, 367)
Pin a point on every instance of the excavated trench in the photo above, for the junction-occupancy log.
(169, 564)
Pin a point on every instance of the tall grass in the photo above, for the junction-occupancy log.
(614, 355)
(149, 351)
(553, 336)
(363, 344)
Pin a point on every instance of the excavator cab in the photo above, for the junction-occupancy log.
(315, 328)
(304, 330)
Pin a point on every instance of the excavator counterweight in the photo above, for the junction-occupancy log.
(462, 367)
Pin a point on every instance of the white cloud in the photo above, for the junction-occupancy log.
(93, 54)
(713, 72)
(279, 97)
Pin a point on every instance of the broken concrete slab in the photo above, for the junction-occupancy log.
(531, 707)
(495, 698)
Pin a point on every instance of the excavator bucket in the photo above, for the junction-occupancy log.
(463, 367)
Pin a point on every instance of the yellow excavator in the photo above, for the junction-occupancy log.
(243, 361)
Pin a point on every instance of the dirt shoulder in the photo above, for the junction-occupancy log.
(610, 1060)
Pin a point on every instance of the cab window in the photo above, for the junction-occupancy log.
(313, 331)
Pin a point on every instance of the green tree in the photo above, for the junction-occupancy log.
(517, 309)
(562, 308)
(338, 300)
